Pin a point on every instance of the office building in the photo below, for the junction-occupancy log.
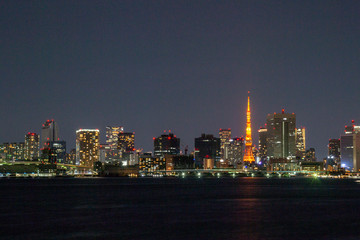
(166, 144)
(281, 135)
(112, 136)
(300, 143)
(206, 146)
(236, 152)
(31, 148)
(262, 143)
(126, 142)
(87, 147)
(49, 133)
(225, 137)
(350, 148)
(333, 158)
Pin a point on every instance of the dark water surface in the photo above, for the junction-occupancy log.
(119, 208)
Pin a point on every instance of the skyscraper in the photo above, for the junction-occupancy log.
(126, 142)
(225, 136)
(112, 136)
(87, 147)
(236, 151)
(206, 147)
(248, 156)
(334, 150)
(281, 135)
(49, 132)
(166, 144)
(350, 148)
(31, 146)
(300, 143)
(262, 143)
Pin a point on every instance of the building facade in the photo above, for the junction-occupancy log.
(281, 135)
(49, 133)
(300, 143)
(225, 137)
(126, 142)
(207, 146)
(112, 136)
(263, 138)
(166, 144)
(32, 150)
(149, 165)
(236, 152)
(87, 147)
(349, 148)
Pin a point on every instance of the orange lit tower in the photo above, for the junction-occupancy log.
(248, 156)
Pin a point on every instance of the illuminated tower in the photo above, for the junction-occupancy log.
(248, 156)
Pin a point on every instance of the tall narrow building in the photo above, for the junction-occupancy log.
(49, 133)
(87, 147)
(350, 148)
(31, 146)
(225, 137)
(262, 143)
(300, 143)
(236, 151)
(248, 156)
(281, 135)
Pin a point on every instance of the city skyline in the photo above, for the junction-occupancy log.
(181, 66)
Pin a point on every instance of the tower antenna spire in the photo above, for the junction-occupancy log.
(248, 156)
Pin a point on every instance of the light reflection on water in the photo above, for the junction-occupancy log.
(251, 208)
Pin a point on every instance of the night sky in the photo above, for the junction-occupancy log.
(179, 65)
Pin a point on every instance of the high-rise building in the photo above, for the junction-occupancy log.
(225, 137)
(300, 143)
(346, 150)
(49, 132)
(113, 152)
(31, 146)
(166, 144)
(87, 147)
(112, 136)
(262, 143)
(333, 158)
(206, 147)
(126, 142)
(236, 151)
(248, 156)
(281, 135)
(350, 148)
